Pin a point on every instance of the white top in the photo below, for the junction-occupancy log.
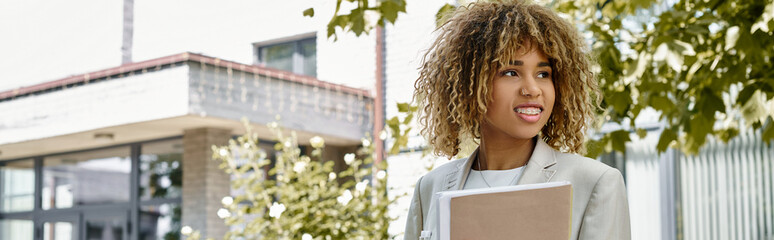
(495, 178)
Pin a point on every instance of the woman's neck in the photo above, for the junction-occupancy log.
(504, 153)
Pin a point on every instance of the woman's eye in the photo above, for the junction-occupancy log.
(544, 75)
(510, 73)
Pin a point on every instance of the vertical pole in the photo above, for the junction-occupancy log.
(126, 45)
(38, 201)
(133, 226)
(379, 99)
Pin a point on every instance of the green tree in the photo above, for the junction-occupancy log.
(705, 66)
(356, 20)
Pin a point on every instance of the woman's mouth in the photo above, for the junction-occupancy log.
(529, 112)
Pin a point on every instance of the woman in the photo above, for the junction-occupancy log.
(516, 78)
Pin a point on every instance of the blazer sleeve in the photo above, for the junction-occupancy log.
(414, 220)
(607, 213)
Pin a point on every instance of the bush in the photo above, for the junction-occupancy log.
(299, 196)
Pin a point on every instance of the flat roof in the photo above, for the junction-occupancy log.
(64, 83)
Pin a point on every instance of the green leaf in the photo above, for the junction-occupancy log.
(309, 12)
(697, 30)
(394, 124)
(642, 133)
(732, 35)
(566, 6)
(675, 60)
(682, 48)
(754, 110)
(765, 20)
(403, 107)
(595, 148)
(727, 134)
(768, 131)
(661, 103)
(666, 138)
(745, 42)
(619, 139)
(709, 103)
(337, 21)
(408, 118)
(390, 9)
(443, 13)
(620, 101)
(748, 91)
(700, 127)
(357, 19)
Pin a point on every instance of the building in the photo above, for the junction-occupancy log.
(127, 149)
(121, 150)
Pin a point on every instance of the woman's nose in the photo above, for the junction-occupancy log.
(530, 88)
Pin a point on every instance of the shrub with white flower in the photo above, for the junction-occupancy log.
(349, 158)
(345, 197)
(276, 210)
(227, 200)
(361, 186)
(223, 213)
(302, 197)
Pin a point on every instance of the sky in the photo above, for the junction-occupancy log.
(49, 40)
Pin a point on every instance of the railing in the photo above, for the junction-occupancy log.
(724, 192)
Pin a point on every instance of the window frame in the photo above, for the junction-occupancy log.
(297, 62)
(34, 187)
(38, 215)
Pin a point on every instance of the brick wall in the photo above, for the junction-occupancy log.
(204, 184)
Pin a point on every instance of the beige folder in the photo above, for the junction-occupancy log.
(533, 211)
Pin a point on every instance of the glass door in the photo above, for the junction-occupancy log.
(60, 226)
(106, 225)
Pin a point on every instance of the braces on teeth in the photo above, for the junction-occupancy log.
(531, 111)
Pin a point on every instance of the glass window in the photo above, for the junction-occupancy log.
(159, 222)
(93, 177)
(105, 227)
(64, 230)
(16, 229)
(17, 186)
(161, 170)
(279, 56)
(297, 56)
(309, 56)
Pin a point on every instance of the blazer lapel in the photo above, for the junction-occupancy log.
(537, 169)
(455, 179)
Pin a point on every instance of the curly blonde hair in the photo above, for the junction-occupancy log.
(455, 79)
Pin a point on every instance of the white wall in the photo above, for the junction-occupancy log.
(406, 42)
(404, 171)
(133, 99)
(44, 40)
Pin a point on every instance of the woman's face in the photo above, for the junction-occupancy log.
(522, 98)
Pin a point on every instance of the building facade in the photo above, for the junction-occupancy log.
(125, 152)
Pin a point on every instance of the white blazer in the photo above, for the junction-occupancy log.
(599, 209)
